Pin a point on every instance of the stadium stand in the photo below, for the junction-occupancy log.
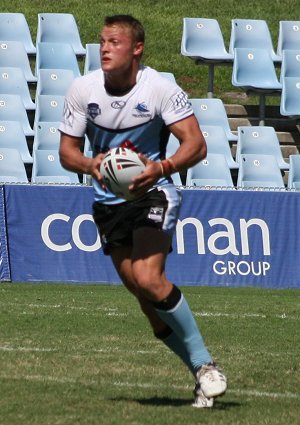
(92, 57)
(13, 109)
(54, 81)
(290, 97)
(12, 137)
(13, 54)
(294, 174)
(56, 56)
(12, 168)
(49, 107)
(290, 64)
(288, 36)
(46, 135)
(14, 27)
(13, 81)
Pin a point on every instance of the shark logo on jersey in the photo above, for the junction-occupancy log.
(142, 110)
(93, 110)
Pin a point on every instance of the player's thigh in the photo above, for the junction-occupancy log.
(121, 258)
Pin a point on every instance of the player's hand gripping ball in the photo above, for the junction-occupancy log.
(117, 168)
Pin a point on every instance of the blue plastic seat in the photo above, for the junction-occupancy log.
(202, 41)
(46, 135)
(217, 142)
(290, 65)
(212, 112)
(56, 56)
(48, 108)
(92, 57)
(13, 109)
(252, 34)
(288, 36)
(13, 81)
(12, 168)
(212, 172)
(59, 28)
(261, 140)
(290, 97)
(13, 54)
(294, 173)
(54, 81)
(254, 70)
(14, 27)
(259, 172)
(12, 137)
(46, 164)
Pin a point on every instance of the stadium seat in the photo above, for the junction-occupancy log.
(46, 164)
(13, 81)
(56, 56)
(254, 71)
(92, 58)
(290, 65)
(259, 172)
(54, 81)
(13, 54)
(13, 109)
(260, 140)
(59, 28)
(48, 108)
(202, 41)
(14, 27)
(294, 173)
(46, 135)
(252, 34)
(288, 36)
(212, 172)
(290, 97)
(12, 137)
(12, 168)
(212, 112)
(217, 142)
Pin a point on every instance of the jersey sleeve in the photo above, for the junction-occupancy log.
(74, 118)
(175, 106)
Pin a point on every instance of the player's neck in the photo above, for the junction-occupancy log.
(120, 84)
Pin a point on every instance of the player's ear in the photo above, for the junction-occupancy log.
(139, 48)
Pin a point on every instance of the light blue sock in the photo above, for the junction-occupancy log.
(180, 319)
(175, 344)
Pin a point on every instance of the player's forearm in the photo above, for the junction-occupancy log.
(188, 154)
(74, 160)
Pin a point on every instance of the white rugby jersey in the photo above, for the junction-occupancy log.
(137, 120)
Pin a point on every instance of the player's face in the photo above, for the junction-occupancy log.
(117, 48)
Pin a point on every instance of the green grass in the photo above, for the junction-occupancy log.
(83, 354)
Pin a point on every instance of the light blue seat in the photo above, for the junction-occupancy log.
(49, 107)
(259, 172)
(290, 97)
(56, 56)
(14, 27)
(254, 70)
(13, 109)
(252, 34)
(13, 81)
(294, 173)
(54, 81)
(212, 112)
(202, 41)
(12, 137)
(46, 135)
(12, 168)
(46, 163)
(59, 28)
(290, 65)
(260, 140)
(92, 57)
(212, 172)
(217, 142)
(13, 54)
(288, 36)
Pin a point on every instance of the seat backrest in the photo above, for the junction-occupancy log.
(54, 81)
(13, 109)
(56, 56)
(92, 58)
(259, 171)
(49, 107)
(46, 135)
(288, 36)
(12, 166)
(217, 142)
(254, 68)
(59, 28)
(202, 37)
(13, 54)
(13, 81)
(294, 173)
(212, 112)
(12, 136)
(251, 33)
(290, 97)
(261, 140)
(213, 168)
(47, 163)
(290, 65)
(14, 27)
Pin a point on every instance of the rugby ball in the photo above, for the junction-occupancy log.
(118, 168)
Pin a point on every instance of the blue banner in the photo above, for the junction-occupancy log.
(4, 263)
(223, 238)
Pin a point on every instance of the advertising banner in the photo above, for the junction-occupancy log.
(4, 263)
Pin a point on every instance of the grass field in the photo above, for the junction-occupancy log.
(82, 354)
